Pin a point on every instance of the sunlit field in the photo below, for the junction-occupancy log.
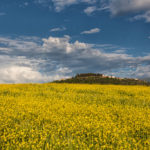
(74, 116)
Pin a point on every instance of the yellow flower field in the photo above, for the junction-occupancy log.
(74, 116)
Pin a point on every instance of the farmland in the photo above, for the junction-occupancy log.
(74, 116)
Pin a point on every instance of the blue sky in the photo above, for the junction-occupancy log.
(45, 40)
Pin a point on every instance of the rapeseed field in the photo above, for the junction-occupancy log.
(74, 116)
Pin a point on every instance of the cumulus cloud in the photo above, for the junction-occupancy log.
(92, 31)
(18, 74)
(32, 59)
(62, 45)
(23, 74)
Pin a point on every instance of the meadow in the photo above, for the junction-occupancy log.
(74, 116)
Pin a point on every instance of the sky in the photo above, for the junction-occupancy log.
(46, 40)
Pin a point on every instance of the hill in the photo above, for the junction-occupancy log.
(93, 78)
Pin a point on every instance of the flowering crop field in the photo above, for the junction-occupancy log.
(74, 116)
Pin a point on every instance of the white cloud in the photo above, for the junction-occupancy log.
(61, 4)
(21, 43)
(143, 72)
(16, 69)
(120, 51)
(90, 10)
(18, 74)
(115, 7)
(140, 8)
(145, 16)
(21, 74)
(62, 45)
(64, 70)
(92, 31)
(31, 59)
(118, 7)
(58, 29)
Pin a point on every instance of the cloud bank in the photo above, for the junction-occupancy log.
(33, 59)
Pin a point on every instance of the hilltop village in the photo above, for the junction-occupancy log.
(98, 78)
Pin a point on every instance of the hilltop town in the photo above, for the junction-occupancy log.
(98, 78)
